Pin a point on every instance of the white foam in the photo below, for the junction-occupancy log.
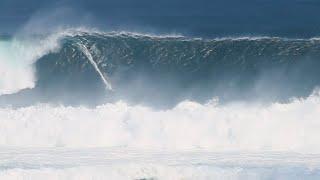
(132, 171)
(119, 163)
(242, 127)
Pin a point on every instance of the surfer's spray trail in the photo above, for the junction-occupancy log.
(94, 64)
(228, 108)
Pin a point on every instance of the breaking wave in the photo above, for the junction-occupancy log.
(84, 104)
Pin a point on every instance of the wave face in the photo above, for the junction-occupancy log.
(171, 69)
(74, 67)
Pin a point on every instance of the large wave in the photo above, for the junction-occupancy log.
(77, 67)
(216, 124)
(82, 66)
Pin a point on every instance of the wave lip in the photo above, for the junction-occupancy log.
(17, 58)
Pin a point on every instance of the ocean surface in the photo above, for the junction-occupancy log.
(81, 103)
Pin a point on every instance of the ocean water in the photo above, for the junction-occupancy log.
(88, 104)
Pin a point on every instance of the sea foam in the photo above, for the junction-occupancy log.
(190, 125)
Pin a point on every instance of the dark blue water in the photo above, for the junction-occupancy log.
(204, 18)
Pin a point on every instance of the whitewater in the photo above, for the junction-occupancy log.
(190, 141)
(123, 140)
